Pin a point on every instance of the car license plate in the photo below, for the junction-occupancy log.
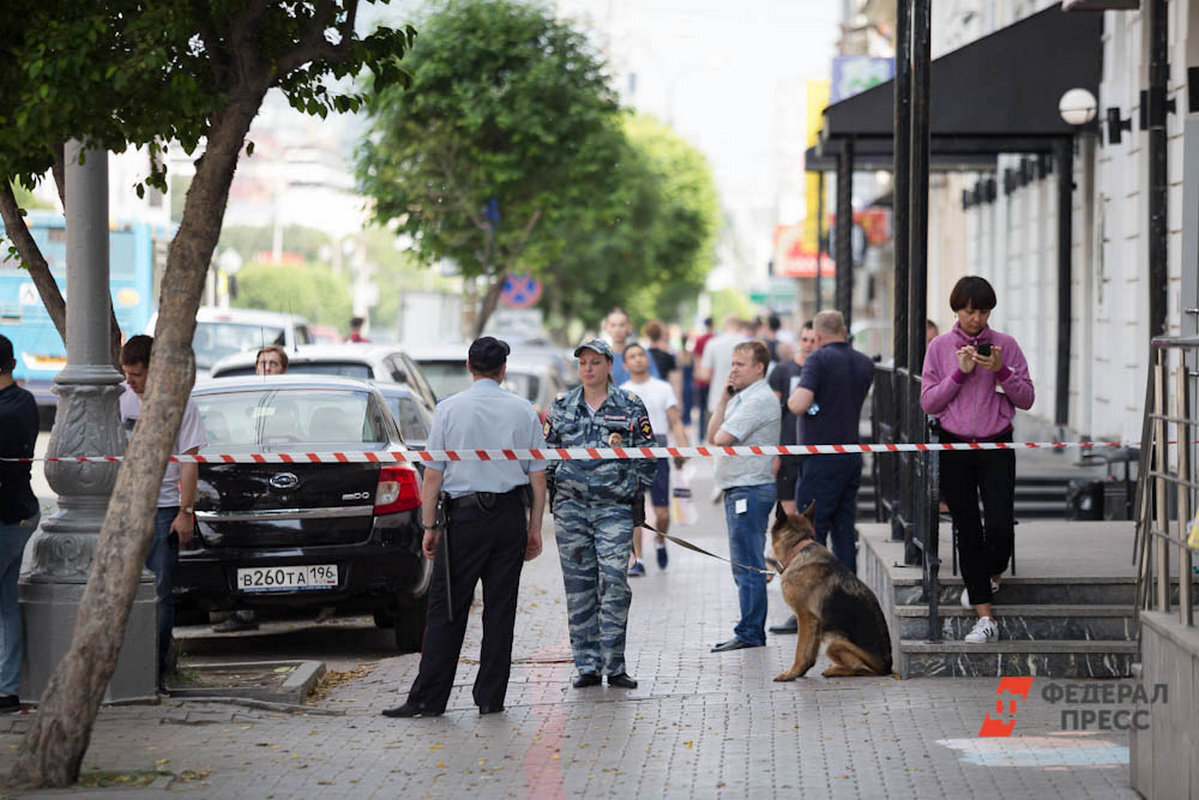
(287, 579)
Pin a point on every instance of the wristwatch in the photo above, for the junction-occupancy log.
(188, 510)
(436, 526)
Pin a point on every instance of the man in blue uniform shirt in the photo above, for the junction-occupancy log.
(492, 526)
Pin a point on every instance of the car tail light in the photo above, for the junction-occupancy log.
(398, 490)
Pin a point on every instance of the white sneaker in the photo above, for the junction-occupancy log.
(984, 631)
(966, 595)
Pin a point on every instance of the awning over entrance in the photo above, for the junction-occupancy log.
(997, 94)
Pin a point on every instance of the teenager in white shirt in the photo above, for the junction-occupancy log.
(663, 408)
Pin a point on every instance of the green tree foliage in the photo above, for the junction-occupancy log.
(686, 221)
(310, 244)
(136, 73)
(647, 244)
(310, 290)
(27, 199)
(506, 131)
(730, 301)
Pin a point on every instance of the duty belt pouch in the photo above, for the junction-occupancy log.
(486, 500)
(526, 495)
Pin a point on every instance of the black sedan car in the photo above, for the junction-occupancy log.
(344, 535)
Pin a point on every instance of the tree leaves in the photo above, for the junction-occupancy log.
(508, 107)
(502, 110)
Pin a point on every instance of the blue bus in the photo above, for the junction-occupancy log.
(137, 257)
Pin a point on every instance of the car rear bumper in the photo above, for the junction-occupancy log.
(377, 572)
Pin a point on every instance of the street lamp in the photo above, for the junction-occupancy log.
(1078, 107)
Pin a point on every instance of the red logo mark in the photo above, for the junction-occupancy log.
(1004, 720)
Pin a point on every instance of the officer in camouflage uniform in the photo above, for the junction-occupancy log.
(592, 503)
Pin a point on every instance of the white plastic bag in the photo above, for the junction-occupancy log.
(682, 507)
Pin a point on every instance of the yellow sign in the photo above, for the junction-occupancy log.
(818, 94)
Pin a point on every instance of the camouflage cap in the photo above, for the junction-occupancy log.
(597, 345)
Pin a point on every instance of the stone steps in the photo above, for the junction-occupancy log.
(1064, 616)
(1062, 590)
(1037, 497)
(1026, 622)
(1055, 658)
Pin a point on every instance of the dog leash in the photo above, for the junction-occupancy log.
(698, 549)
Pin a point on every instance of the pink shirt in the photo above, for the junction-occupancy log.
(978, 404)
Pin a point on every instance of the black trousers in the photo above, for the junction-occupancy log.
(487, 546)
(984, 542)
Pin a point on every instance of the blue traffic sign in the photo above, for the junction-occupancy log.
(521, 291)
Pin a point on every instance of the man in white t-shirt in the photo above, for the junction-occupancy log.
(174, 523)
(662, 406)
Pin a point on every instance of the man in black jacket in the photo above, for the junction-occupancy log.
(19, 515)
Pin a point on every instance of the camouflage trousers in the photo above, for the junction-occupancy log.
(594, 541)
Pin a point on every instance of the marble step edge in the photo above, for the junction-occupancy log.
(1073, 646)
(1023, 610)
(1072, 580)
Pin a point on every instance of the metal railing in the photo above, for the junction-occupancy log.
(1166, 483)
(906, 484)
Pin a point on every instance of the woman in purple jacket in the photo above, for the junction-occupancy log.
(974, 380)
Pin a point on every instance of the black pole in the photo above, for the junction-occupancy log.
(924, 496)
(918, 189)
(1158, 197)
(901, 201)
(1065, 240)
(819, 239)
(844, 229)
(899, 331)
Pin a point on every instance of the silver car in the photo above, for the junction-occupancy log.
(379, 363)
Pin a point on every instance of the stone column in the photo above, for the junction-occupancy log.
(87, 423)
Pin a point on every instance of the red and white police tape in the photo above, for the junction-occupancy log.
(586, 453)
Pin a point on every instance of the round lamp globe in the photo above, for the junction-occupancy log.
(1077, 107)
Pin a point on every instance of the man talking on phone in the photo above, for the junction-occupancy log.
(748, 413)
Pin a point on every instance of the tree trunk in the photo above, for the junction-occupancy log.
(53, 749)
(490, 301)
(39, 271)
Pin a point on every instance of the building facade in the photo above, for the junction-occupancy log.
(1012, 239)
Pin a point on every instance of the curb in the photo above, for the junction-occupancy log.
(293, 690)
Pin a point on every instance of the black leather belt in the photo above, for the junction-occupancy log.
(482, 500)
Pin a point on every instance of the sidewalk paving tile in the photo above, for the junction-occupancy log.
(700, 724)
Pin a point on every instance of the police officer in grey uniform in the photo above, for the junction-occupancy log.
(492, 526)
(592, 504)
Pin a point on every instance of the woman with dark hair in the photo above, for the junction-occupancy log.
(974, 380)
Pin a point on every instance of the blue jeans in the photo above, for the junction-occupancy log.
(163, 561)
(12, 635)
(832, 482)
(747, 545)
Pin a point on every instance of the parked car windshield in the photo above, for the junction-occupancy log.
(346, 369)
(215, 340)
(446, 377)
(413, 418)
(248, 419)
(522, 384)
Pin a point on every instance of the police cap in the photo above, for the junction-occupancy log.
(598, 345)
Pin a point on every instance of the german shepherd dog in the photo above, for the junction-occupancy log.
(829, 602)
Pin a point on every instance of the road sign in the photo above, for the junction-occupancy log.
(521, 291)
